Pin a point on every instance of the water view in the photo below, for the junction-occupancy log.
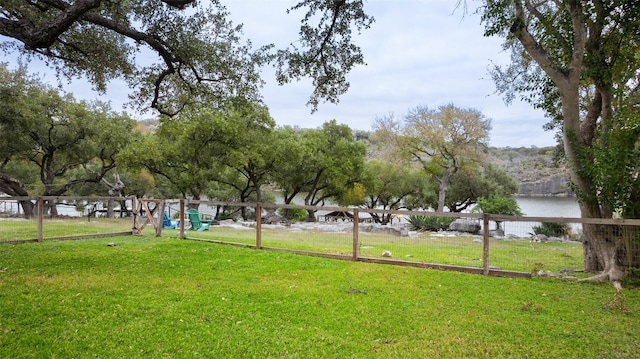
(549, 206)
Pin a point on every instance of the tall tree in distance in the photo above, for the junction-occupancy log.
(578, 60)
(473, 182)
(391, 186)
(442, 140)
(63, 142)
(333, 163)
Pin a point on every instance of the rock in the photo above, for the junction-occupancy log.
(499, 232)
(400, 231)
(275, 219)
(465, 225)
(549, 185)
(540, 238)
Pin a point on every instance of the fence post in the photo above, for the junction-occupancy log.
(160, 219)
(134, 216)
(134, 211)
(258, 226)
(356, 220)
(485, 244)
(182, 218)
(40, 218)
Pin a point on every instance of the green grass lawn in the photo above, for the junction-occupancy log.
(152, 297)
(427, 247)
(21, 229)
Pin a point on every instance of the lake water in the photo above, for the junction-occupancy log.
(549, 206)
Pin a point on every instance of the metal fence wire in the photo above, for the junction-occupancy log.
(30, 219)
(471, 242)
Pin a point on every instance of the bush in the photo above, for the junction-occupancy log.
(428, 223)
(293, 214)
(552, 229)
(494, 204)
(224, 216)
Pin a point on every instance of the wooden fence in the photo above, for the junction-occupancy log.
(492, 254)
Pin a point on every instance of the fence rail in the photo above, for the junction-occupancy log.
(500, 245)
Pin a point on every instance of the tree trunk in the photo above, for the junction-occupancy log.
(27, 208)
(50, 208)
(110, 208)
(606, 252)
(442, 188)
(604, 246)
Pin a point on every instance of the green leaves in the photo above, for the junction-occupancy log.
(196, 55)
(45, 132)
(498, 204)
(326, 52)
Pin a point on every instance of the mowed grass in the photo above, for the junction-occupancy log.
(152, 297)
(12, 229)
(427, 247)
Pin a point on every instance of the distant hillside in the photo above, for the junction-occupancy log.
(534, 169)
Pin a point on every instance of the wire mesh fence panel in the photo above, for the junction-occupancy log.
(307, 229)
(13, 228)
(70, 227)
(311, 237)
(62, 217)
(225, 232)
(420, 238)
(220, 221)
(525, 246)
(630, 238)
(621, 241)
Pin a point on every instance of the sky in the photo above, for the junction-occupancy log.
(418, 53)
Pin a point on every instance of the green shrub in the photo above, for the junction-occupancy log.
(495, 204)
(428, 223)
(293, 214)
(552, 229)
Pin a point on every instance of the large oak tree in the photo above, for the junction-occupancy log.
(439, 140)
(50, 143)
(579, 61)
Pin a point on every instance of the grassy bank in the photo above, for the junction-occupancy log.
(165, 297)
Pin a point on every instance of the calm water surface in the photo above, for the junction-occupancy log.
(549, 206)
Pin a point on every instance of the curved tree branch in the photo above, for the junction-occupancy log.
(47, 33)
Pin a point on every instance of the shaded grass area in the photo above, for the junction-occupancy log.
(165, 297)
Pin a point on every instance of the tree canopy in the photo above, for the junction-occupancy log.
(50, 143)
(439, 140)
(197, 55)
